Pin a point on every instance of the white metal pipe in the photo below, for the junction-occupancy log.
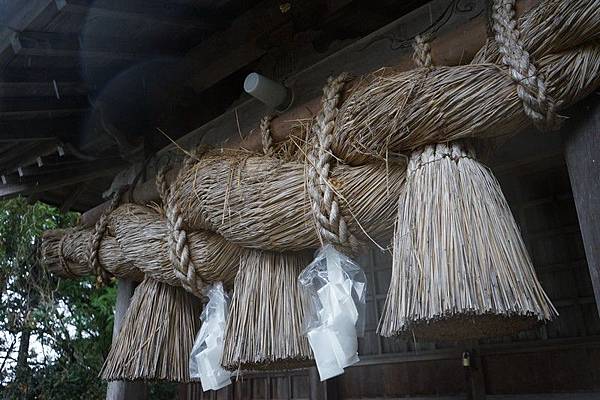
(273, 94)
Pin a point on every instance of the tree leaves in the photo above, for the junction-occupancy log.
(70, 322)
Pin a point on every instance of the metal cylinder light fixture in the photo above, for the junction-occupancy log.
(273, 94)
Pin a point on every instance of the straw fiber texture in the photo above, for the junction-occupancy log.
(460, 269)
(65, 253)
(393, 112)
(262, 202)
(264, 328)
(458, 255)
(156, 337)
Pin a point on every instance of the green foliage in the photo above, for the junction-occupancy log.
(69, 322)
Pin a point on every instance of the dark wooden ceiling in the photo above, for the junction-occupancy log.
(84, 84)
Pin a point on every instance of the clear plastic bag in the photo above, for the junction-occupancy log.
(205, 358)
(333, 288)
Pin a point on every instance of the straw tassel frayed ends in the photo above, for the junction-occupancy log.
(157, 335)
(264, 327)
(460, 267)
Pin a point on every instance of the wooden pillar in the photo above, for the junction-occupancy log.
(120, 390)
(582, 153)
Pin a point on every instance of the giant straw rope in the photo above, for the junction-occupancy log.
(349, 183)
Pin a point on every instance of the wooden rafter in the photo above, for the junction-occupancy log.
(55, 45)
(38, 129)
(178, 16)
(37, 184)
(51, 88)
(32, 114)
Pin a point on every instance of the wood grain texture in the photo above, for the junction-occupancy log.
(582, 153)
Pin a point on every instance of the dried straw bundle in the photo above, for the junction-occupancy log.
(137, 245)
(262, 202)
(460, 268)
(399, 112)
(65, 253)
(264, 328)
(157, 335)
(552, 26)
(142, 234)
(394, 112)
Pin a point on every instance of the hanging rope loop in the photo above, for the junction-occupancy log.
(102, 275)
(179, 250)
(531, 87)
(331, 224)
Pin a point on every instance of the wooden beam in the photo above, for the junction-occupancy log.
(25, 136)
(225, 52)
(50, 88)
(76, 42)
(39, 129)
(29, 47)
(64, 167)
(177, 16)
(34, 14)
(43, 114)
(456, 43)
(582, 153)
(57, 180)
(25, 154)
(18, 104)
(23, 15)
(62, 73)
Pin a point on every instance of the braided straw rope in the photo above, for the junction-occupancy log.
(265, 134)
(382, 116)
(531, 87)
(262, 203)
(422, 52)
(331, 225)
(102, 275)
(179, 250)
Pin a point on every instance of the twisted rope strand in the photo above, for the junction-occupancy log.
(265, 133)
(179, 251)
(531, 87)
(102, 275)
(331, 225)
(422, 52)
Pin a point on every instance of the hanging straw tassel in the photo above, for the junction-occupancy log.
(460, 268)
(264, 328)
(157, 335)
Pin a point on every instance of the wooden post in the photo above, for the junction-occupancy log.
(120, 390)
(582, 153)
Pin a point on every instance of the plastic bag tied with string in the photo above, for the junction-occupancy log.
(205, 358)
(333, 288)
